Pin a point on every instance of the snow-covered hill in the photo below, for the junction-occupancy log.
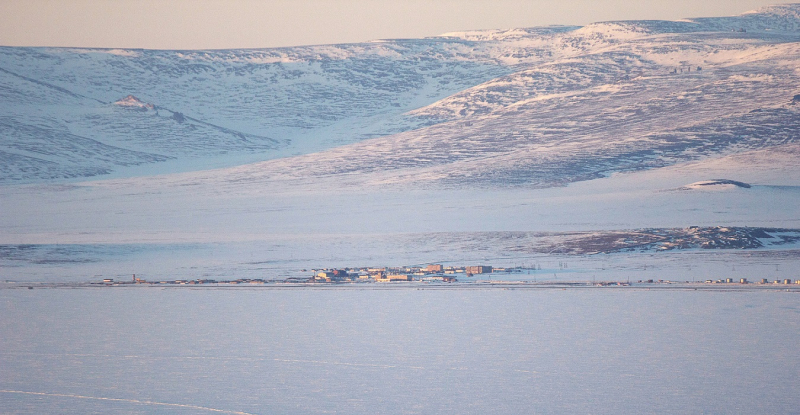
(539, 106)
(611, 126)
(207, 106)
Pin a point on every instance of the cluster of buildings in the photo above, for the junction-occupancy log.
(786, 281)
(763, 281)
(110, 281)
(429, 273)
(433, 272)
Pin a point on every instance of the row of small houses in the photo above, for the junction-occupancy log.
(786, 281)
(435, 272)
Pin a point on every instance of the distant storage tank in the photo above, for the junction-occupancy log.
(787, 281)
(764, 281)
(743, 281)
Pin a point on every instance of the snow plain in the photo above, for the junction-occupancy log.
(142, 350)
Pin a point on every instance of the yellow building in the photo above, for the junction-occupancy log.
(394, 277)
(323, 276)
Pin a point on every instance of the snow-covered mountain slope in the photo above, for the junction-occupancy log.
(539, 106)
(484, 147)
(567, 133)
(207, 106)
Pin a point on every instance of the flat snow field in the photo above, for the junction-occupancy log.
(250, 351)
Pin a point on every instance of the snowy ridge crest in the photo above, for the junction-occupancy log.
(790, 10)
(780, 18)
(517, 33)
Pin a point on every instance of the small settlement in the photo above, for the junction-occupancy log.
(433, 272)
(430, 273)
